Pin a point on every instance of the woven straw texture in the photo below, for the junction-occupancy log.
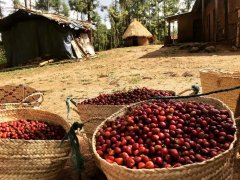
(93, 115)
(236, 160)
(32, 159)
(219, 167)
(19, 96)
(214, 80)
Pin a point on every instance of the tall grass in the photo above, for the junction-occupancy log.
(3, 59)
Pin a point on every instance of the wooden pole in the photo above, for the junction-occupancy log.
(30, 4)
(203, 20)
(25, 2)
(216, 20)
(226, 19)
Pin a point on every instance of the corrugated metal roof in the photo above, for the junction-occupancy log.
(21, 14)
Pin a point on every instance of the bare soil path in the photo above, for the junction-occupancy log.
(149, 66)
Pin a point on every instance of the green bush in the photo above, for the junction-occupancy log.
(3, 59)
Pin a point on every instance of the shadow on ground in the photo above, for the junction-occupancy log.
(175, 51)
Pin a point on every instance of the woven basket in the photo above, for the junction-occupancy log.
(19, 96)
(95, 114)
(32, 159)
(219, 167)
(237, 154)
(214, 80)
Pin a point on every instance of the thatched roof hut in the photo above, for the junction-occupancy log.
(136, 34)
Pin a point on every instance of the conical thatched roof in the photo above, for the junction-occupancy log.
(136, 29)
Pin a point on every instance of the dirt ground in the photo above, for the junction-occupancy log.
(149, 66)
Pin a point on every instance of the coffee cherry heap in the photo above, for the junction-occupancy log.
(165, 134)
(124, 98)
(31, 130)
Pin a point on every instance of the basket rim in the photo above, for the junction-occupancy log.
(77, 101)
(183, 167)
(34, 141)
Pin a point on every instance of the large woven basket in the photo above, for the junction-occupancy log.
(215, 80)
(95, 114)
(217, 168)
(237, 155)
(32, 159)
(19, 96)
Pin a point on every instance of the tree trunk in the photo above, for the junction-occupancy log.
(30, 4)
(164, 14)
(25, 2)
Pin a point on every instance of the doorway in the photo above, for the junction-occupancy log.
(135, 41)
(197, 30)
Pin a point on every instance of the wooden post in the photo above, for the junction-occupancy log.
(226, 19)
(238, 35)
(216, 20)
(238, 29)
(169, 28)
(30, 4)
(25, 3)
(203, 20)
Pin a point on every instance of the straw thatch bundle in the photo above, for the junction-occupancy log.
(136, 29)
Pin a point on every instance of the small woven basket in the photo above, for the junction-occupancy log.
(32, 159)
(217, 168)
(93, 115)
(215, 80)
(19, 96)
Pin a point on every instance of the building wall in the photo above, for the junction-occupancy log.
(209, 21)
(143, 41)
(221, 30)
(136, 41)
(238, 25)
(28, 40)
(234, 22)
(185, 27)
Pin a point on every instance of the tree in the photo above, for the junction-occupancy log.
(1, 8)
(42, 5)
(56, 5)
(65, 9)
(187, 5)
(85, 7)
(16, 3)
(101, 40)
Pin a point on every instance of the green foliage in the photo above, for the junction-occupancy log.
(101, 40)
(1, 8)
(187, 5)
(65, 9)
(84, 7)
(78, 6)
(16, 3)
(3, 59)
(56, 5)
(42, 5)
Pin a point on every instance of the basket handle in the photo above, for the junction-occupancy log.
(70, 101)
(38, 102)
(195, 90)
